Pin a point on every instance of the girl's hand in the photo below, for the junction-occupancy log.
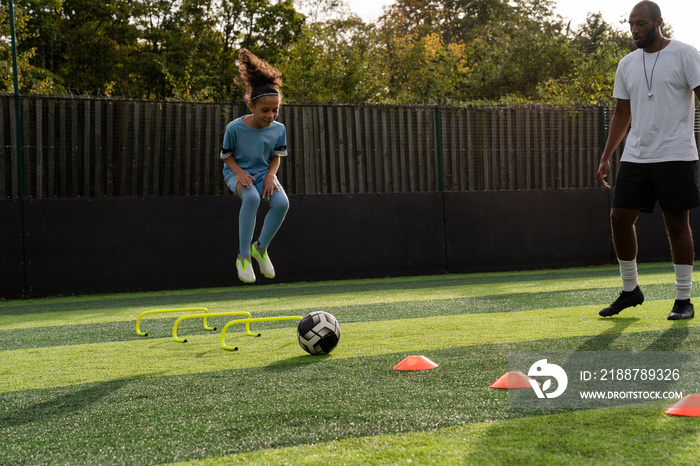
(244, 178)
(269, 187)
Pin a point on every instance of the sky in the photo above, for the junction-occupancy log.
(683, 15)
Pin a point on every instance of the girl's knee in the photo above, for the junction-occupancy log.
(279, 202)
(250, 197)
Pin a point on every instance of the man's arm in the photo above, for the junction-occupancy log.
(618, 128)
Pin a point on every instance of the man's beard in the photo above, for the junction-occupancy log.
(649, 40)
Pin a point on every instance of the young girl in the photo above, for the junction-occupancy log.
(253, 146)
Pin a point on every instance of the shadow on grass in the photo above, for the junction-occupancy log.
(672, 338)
(240, 294)
(599, 435)
(288, 363)
(603, 341)
(57, 406)
(639, 435)
(36, 337)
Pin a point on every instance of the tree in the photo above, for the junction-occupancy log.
(589, 82)
(177, 55)
(153, 49)
(95, 41)
(421, 51)
(596, 33)
(460, 51)
(265, 28)
(320, 11)
(456, 21)
(426, 70)
(425, 46)
(591, 78)
(510, 58)
(32, 79)
(334, 61)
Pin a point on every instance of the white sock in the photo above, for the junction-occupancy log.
(684, 280)
(628, 273)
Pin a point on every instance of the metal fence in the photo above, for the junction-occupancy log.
(76, 147)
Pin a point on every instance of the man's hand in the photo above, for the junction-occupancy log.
(603, 170)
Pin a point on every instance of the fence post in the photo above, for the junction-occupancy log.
(438, 147)
(15, 79)
(602, 132)
(20, 156)
(601, 126)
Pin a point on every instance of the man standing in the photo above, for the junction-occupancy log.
(654, 88)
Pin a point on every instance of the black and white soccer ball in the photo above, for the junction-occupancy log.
(318, 333)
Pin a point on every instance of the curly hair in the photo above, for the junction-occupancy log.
(258, 76)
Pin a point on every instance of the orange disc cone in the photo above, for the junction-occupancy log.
(689, 405)
(415, 363)
(512, 379)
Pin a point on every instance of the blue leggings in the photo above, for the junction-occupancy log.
(251, 197)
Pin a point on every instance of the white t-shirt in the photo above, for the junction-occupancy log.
(662, 125)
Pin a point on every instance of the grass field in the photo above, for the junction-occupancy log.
(78, 386)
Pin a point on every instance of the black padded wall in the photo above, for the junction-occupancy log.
(109, 245)
(364, 235)
(11, 250)
(527, 229)
(105, 245)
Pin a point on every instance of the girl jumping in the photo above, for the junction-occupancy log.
(252, 151)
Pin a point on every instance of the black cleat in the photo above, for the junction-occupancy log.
(625, 300)
(682, 310)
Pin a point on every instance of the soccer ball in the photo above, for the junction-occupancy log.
(318, 332)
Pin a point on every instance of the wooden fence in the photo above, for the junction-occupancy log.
(76, 147)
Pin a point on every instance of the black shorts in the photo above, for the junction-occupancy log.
(673, 184)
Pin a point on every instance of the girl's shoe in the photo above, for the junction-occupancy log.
(245, 269)
(263, 259)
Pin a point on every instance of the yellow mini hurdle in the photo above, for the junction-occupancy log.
(200, 310)
(204, 316)
(203, 313)
(247, 323)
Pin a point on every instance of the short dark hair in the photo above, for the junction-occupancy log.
(654, 9)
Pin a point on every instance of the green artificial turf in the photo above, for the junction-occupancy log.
(78, 386)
